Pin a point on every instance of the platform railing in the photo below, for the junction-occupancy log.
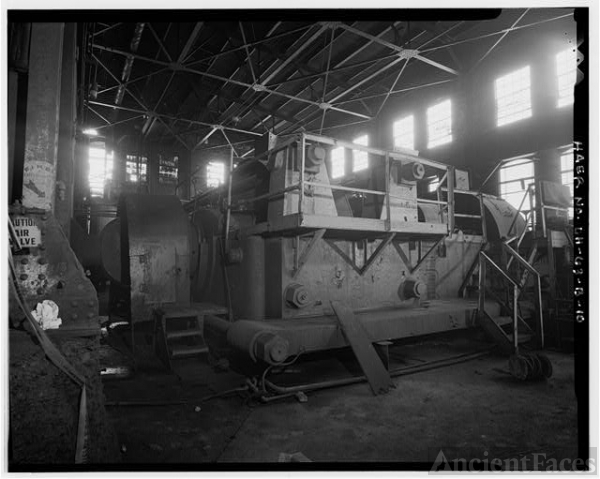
(517, 288)
(300, 141)
(484, 261)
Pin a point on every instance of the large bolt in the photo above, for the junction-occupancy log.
(297, 295)
(41, 276)
(412, 288)
(271, 348)
(42, 261)
(24, 261)
(23, 277)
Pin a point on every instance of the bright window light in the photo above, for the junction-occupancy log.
(90, 132)
(433, 184)
(404, 132)
(566, 71)
(439, 124)
(513, 97)
(136, 168)
(168, 168)
(515, 177)
(566, 173)
(338, 162)
(215, 174)
(361, 158)
(100, 168)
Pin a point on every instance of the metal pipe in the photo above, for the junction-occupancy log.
(291, 390)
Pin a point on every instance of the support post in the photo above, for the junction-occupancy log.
(43, 103)
(65, 166)
(301, 147)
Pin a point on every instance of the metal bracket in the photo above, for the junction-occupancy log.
(369, 262)
(406, 261)
(377, 252)
(300, 261)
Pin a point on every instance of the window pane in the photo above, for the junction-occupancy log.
(515, 177)
(167, 169)
(566, 71)
(439, 121)
(361, 158)
(404, 132)
(136, 168)
(215, 174)
(100, 168)
(338, 162)
(513, 97)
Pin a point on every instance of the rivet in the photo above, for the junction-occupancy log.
(24, 261)
(41, 276)
(42, 261)
(44, 217)
(40, 291)
(90, 315)
(23, 277)
(74, 316)
(43, 232)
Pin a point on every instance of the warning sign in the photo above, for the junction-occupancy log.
(27, 230)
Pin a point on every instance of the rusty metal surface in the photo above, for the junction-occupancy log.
(323, 332)
(502, 214)
(376, 373)
(110, 249)
(43, 102)
(159, 253)
(50, 270)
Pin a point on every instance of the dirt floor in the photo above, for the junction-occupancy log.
(44, 405)
(466, 410)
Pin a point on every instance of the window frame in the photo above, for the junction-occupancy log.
(359, 156)
(512, 96)
(524, 180)
(568, 75)
(398, 132)
(220, 180)
(433, 141)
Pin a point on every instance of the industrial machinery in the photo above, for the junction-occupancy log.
(285, 260)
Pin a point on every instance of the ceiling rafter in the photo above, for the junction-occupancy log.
(341, 64)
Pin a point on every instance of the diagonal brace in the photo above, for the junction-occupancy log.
(377, 253)
(301, 261)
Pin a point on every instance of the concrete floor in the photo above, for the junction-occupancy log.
(465, 410)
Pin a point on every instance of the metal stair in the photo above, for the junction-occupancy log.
(179, 330)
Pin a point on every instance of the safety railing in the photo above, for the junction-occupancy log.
(295, 149)
(516, 289)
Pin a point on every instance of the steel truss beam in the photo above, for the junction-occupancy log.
(173, 118)
(249, 44)
(497, 42)
(181, 68)
(305, 89)
(500, 32)
(340, 64)
(397, 48)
